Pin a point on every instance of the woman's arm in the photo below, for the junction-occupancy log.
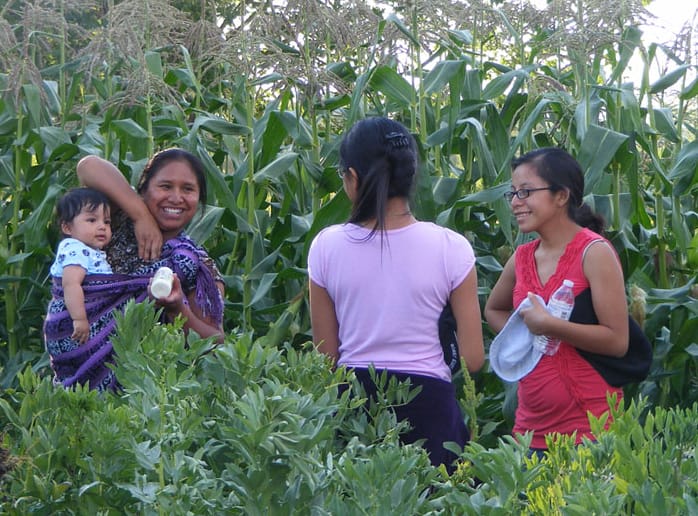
(323, 320)
(610, 336)
(194, 319)
(466, 310)
(500, 302)
(100, 174)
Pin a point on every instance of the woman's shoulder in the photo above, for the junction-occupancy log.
(448, 235)
(339, 232)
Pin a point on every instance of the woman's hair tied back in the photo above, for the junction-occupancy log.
(397, 140)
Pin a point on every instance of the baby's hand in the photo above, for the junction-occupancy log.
(81, 330)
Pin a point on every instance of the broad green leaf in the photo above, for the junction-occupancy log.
(32, 99)
(485, 196)
(262, 289)
(690, 91)
(153, 63)
(664, 123)
(632, 38)
(53, 137)
(499, 84)
(53, 101)
(392, 17)
(587, 113)
(274, 170)
(437, 79)
(463, 36)
(203, 226)
(684, 172)
(669, 79)
(130, 127)
(597, 150)
(482, 151)
(360, 87)
(217, 125)
(393, 85)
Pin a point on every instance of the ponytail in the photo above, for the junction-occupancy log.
(588, 218)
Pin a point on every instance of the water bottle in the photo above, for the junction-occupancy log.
(560, 306)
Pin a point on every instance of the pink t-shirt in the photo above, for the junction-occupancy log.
(388, 299)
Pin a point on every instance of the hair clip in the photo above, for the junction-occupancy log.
(397, 140)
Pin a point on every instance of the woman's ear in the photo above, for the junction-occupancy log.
(563, 196)
(351, 183)
(351, 172)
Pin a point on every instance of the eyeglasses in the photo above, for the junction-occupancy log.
(340, 172)
(523, 193)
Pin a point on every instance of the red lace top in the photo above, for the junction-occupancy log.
(556, 396)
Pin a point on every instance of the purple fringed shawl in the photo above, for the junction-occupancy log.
(73, 363)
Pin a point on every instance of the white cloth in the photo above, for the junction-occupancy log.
(512, 354)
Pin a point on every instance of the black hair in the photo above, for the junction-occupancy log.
(384, 155)
(74, 201)
(166, 156)
(561, 171)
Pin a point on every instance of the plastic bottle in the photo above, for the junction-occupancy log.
(560, 305)
(161, 286)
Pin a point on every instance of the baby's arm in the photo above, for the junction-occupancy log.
(74, 297)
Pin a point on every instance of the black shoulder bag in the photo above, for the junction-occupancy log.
(632, 367)
(449, 338)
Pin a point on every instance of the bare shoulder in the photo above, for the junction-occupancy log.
(600, 256)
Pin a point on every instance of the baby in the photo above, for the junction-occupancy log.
(84, 217)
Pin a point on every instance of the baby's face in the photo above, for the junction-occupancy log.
(92, 228)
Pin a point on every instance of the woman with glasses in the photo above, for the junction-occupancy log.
(546, 197)
(379, 282)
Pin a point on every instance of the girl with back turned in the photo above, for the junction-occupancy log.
(379, 283)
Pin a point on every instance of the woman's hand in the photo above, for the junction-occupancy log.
(177, 303)
(173, 304)
(536, 316)
(149, 238)
(103, 175)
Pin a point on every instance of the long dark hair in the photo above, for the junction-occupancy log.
(562, 172)
(384, 155)
(166, 156)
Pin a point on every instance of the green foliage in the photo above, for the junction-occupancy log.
(197, 428)
(248, 428)
(264, 100)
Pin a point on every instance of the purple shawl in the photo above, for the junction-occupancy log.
(74, 363)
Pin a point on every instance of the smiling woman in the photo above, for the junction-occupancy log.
(557, 394)
(148, 233)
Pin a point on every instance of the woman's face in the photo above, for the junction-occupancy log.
(540, 206)
(172, 197)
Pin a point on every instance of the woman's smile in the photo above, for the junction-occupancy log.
(173, 197)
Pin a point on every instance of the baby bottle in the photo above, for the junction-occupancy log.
(161, 286)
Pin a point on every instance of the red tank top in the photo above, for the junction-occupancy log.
(556, 396)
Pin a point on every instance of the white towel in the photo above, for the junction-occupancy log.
(512, 354)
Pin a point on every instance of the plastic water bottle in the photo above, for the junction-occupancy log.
(560, 306)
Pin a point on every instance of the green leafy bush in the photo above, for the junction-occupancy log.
(248, 428)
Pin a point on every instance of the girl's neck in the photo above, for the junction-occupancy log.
(397, 215)
(557, 238)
